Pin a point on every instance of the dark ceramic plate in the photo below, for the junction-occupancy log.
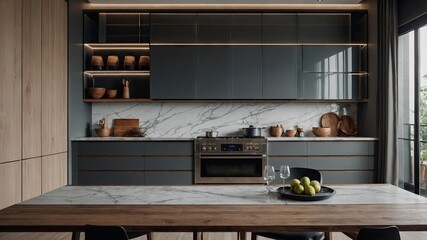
(324, 193)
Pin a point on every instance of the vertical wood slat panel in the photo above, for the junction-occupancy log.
(54, 169)
(54, 76)
(10, 80)
(31, 78)
(10, 183)
(31, 178)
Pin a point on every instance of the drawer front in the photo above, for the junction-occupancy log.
(290, 161)
(341, 148)
(169, 148)
(168, 178)
(342, 163)
(111, 163)
(287, 148)
(110, 148)
(348, 177)
(111, 178)
(169, 163)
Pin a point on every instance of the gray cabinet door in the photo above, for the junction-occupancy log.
(168, 178)
(341, 148)
(279, 72)
(332, 59)
(324, 28)
(213, 28)
(111, 178)
(121, 163)
(173, 28)
(287, 148)
(347, 177)
(173, 72)
(213, 72)
(342, 163)
(246, 28)
(103, 148)
(279, 28)
(175, 163)
(169, 148)
(290, 161)
(246, 72)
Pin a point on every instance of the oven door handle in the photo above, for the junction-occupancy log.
(232, 157)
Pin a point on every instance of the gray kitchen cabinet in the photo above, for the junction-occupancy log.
(287, 148)
(173, 28)
(213, 72)
(279, 72)
(132, 163)
(173, 72)
(246, 72)
(279, 28)
(339, 162)
(213, 28)
(324, 28)
(246, 28)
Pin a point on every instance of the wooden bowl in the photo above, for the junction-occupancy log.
(290, 133)
(111, 93)
(96, 92)
(103, 132)
(322, 131)
(139, 132)
(276, 131)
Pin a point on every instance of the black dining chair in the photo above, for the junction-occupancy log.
(385, 233)
(110, 233)
(298, 173)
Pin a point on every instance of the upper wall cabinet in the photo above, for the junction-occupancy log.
(213, 28)
(279, 28)
(324, 28)
(173, 28)
(246, 28)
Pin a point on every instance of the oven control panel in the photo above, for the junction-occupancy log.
(218, 147)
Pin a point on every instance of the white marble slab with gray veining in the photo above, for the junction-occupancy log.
(183, 120)
(219, 194)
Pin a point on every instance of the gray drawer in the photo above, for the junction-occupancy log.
(169, 148)
(287, 148)
(342, 163)
(168, 178)
(111, 178)
(341, 148)
(110, 148)
(348, 177)
(169, 163)
(111, 163)
(290, 161)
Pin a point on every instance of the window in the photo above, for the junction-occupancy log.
(412, 67)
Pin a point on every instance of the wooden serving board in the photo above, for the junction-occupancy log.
(331, 120)
(347, 126)
(123, 127)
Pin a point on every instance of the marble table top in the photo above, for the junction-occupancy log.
(217, 194)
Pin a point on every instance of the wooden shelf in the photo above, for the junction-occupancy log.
(116, 100)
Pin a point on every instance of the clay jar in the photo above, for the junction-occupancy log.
(276, 131)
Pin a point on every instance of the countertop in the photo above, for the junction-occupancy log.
(272, 139)
(218, 194)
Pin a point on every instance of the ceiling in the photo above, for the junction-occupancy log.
(223, 1)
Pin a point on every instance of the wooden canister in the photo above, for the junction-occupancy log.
(113, 62)
(144, 62)
(129, 62)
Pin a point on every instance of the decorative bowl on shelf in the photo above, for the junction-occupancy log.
(96, 92)
(111, 93)
(290, 133)
(139, 132)
(103, 132)
(322, 131)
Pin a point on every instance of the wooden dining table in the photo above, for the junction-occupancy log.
(215, 208)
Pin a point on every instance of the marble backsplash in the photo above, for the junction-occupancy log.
(193, 119)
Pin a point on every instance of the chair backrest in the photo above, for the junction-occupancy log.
(298, 173)
(386, 233)
(105, 233)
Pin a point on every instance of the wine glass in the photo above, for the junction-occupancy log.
(269, 176)
(285, 173)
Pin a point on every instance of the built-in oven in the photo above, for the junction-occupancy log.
(230, 160)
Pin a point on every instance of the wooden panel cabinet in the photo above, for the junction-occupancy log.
(54, 172)
(10, 183)
(31, 178)
(54, 76)
(10, 80)
(31, 78)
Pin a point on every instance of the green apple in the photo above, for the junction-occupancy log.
(305, 181)
(298, 189)
(295, 182)
(309, 190)
(316, 185)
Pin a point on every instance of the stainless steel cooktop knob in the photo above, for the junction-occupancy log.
(214, 148)
(247, 147)
(209, 148)
(256, 147)
(203, 148)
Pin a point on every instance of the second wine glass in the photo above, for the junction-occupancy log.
(285, 173)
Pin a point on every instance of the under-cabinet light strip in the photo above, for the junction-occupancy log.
(117, 73)
(225, 6)
(258, 44)
(118, 46)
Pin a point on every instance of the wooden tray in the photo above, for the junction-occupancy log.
(123, 127)
(331, 120)
(347, 125)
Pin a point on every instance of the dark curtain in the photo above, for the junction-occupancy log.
(388, 166)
